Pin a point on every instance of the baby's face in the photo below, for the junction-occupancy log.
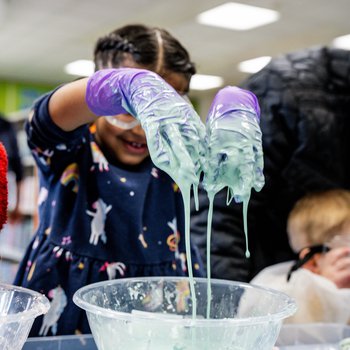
(129, 145)
(335, 266)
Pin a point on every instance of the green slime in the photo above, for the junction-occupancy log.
(231, 162)
(233, 159)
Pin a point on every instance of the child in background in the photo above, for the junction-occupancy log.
(319, 230)
(106, 211)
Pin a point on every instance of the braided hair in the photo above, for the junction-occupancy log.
(152, 48)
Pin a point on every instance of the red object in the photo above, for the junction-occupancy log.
(3, 186)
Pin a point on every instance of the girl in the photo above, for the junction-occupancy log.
(106, 211)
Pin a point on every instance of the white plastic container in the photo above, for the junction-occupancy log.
(18, 309)
(156, 314)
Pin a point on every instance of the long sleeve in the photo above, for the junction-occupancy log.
(53, 148)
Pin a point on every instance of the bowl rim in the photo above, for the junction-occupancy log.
(288, 310)
(42, 303)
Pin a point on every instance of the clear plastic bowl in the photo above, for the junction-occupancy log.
(18, 309)
(155, 313)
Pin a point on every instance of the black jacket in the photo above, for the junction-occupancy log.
(305, 121)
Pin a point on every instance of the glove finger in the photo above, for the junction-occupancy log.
(195, 145)
(158, 148)
(259, 179)
(183, 167)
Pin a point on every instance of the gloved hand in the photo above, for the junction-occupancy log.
(174, 132)
(234, 154)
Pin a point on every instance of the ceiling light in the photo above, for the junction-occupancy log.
(83, 68)
(205, 82)
(342, 42)
(254, 65)
(237, 16)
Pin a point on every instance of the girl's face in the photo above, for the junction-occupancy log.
(129, 146)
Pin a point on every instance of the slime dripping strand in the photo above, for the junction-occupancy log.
(211, 196)
(195, 196)
(245, 223)
(186, 193)
(245, 200)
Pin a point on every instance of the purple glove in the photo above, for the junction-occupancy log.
(234, 156)
(174, 131)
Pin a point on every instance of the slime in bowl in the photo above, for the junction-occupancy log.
(18, 309)
(155, 313)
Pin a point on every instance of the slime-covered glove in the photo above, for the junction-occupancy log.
(174, 131)
(234, 154)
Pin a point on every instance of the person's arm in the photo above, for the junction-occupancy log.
(267, 209)
(68, 108)
(164, 115)
(234, 166)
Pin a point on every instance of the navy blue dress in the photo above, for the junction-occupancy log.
(97, 222)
